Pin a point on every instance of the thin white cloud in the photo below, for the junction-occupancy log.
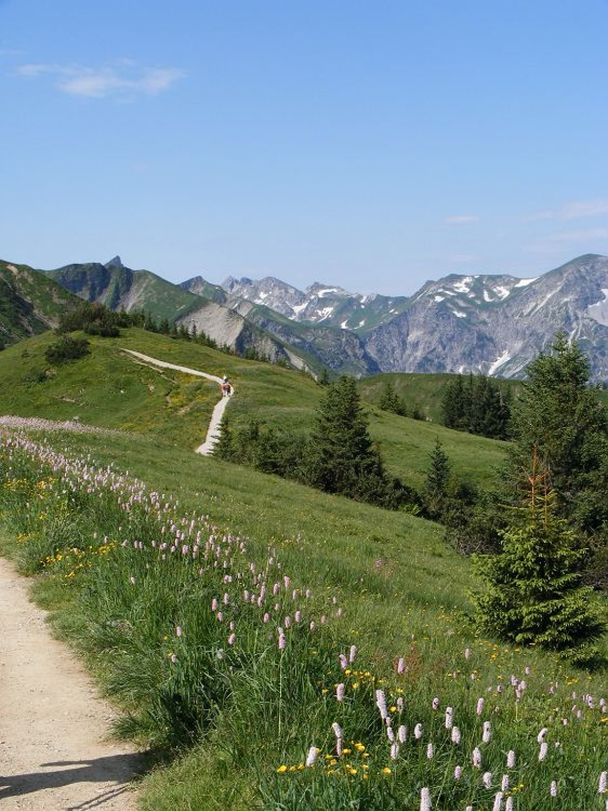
(586, 238)
(576, 210)
(582, 235)
(461, 219)
(123, 79)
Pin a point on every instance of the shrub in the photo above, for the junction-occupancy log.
(67, 348)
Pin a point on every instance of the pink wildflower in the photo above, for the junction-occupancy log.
(425, 799)
(311, 757)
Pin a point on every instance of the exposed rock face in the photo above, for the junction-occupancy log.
(497, 325)
(338, 349)
(320, 303)
(229, 328)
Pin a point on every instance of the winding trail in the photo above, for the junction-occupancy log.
(54, 752)
(53, 756)
(214, 430)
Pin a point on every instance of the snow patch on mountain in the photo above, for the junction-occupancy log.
(500, 361)
(599, 310)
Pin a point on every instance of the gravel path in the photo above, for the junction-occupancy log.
(214, 430)
(54, 752)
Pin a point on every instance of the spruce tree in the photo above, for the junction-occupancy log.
(562, 418)
(437, 481)
(342, 456)
(533, 593)
(390, 400)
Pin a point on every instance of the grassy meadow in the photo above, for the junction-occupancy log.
(109, 389)
(282, 649)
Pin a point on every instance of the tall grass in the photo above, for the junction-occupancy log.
(206, 642)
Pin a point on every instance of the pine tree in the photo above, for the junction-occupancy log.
(390, 400)
(342, 456)
(560, 416)
(323, 377)
(533, 593)
(453, 405)
(437, 481)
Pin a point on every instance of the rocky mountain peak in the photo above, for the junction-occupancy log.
(115, 262)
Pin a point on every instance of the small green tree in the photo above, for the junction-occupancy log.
(324, 377)
(390, 400)
(533, 593)
(437, 481)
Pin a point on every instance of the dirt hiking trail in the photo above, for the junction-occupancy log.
(214, 429)
(54, 752)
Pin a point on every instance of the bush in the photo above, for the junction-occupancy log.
(66, 349)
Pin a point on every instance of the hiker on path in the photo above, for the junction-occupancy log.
(226, 387)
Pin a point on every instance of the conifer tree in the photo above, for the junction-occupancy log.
(343, 458)
(437, 481)
(390, 400)
(560, 416)
(533, 592)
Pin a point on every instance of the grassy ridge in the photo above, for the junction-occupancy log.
(109, 389)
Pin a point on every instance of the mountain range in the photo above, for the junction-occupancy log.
(490, 324)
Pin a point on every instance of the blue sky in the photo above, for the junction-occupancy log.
(370, 144)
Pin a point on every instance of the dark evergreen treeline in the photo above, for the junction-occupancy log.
(478, 405)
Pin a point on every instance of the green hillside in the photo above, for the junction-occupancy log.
(404, 592)
(107, 388)
(30, 302)
(419, 391)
